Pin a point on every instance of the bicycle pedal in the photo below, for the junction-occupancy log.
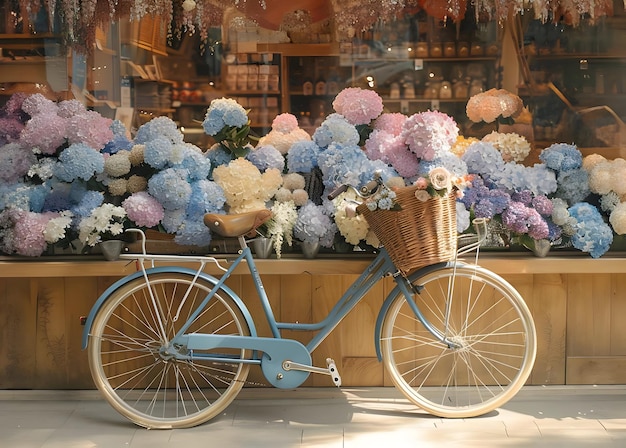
(333, 372)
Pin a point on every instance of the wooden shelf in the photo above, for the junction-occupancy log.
(331, 264)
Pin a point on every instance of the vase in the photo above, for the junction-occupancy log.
(540, 248)
(310, 250)
(498, 236)
(262, 247)
(111, 249)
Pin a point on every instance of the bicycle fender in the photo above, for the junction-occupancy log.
(164, 269)
(392, 295)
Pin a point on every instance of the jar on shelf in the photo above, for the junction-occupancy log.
(460, 89)
(436, 50)
(449, 49)
(394, 91)
(477, 49)
(462, 49)
(409, 90)
(432, 90)
(421, 50)
(445, 91)
(477, 86)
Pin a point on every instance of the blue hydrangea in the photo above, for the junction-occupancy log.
(172, 220)
(336, 129)
(38, 194)
(573, 185)
(341, 164)
(302, 156)
(118, 143)
(592, 234)
(157, 152)
(206, 197)
(265, 157)
(58, 197)
(16, 195)
(159, 127)
(562, 157)
(218, 155)
(171, 188)
(483, 158)
(515, 177)
(78, 161)
(224, 112)
(193, 233)
(196, 164)
(118, 128)
(370, 167)
(90, 200)
(450, 161)
(312, 224)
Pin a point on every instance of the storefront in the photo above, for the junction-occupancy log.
(291, 61)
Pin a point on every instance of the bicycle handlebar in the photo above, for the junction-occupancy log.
(366, 190)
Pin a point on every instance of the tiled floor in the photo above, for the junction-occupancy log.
(352, 417)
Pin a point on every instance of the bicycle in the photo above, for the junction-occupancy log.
(171, 347)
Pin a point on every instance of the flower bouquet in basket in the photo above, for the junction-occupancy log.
(416, 224)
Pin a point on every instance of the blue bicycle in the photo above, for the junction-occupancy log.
(171, 347)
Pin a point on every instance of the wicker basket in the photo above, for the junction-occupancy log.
(421, 234)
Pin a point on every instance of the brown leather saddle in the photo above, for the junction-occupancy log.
(233, 226)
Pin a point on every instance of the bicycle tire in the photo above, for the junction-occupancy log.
(493, 331)
(148, 387)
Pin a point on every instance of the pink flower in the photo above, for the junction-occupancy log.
(488, 106)
(421, 183)
(429, 134)
(28, 233)
(45, 131)
(390, 122)
(90, 128)
(285, 123)
(358, 106)
(143, 209)
(403, 160)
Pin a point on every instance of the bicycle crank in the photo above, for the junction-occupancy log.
(331, 369)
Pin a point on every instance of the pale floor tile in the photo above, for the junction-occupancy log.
(348, 418)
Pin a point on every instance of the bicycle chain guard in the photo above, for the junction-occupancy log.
(273, 370)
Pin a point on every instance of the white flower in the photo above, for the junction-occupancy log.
(422, 195)
(55, 228)
(440, 179)
(189, 5)
(105, 221)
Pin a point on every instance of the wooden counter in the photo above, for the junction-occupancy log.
(578, 304)
(501, 263)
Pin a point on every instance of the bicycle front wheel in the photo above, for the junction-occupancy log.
(136, 371)
(491, 350)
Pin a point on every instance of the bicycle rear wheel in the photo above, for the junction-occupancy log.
(131, 368)
(491, 332)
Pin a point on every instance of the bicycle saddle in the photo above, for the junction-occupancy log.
(232, 226)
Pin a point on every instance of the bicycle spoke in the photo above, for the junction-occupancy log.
(491, 342)
(156, 383)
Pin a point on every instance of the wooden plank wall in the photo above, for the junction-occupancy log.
(579, 319)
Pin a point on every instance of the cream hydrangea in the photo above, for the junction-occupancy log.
(512, 146)
(353, 228)
(245, 188)
(618, 218)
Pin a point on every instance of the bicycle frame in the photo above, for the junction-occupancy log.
(275, 349)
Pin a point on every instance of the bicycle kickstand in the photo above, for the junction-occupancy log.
(331, 369)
